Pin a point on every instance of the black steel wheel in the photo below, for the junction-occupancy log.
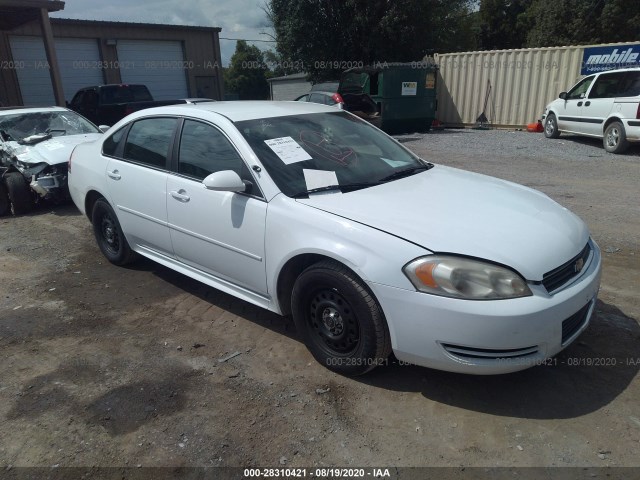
(551, 127)
(109, 235)
(339, 320)
(19, 193)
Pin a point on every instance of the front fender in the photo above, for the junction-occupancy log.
(295, 229)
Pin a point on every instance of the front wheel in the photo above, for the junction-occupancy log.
(551, 127)
(109, 235)
(19, 193)
(615, 138)
(340, 322)
(5, 204)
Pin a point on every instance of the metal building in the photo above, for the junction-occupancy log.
(515, 84)
(45, 61)
(289, 87)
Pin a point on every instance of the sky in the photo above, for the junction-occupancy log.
(238, 18)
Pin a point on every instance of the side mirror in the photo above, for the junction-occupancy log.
(224, 181)
(103, 128)
(563, 95)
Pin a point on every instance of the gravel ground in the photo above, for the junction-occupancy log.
(141, 366)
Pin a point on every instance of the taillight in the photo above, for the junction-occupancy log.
(337, 98)
(638, 112)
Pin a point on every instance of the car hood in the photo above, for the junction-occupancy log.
(447, 210)
(53, 151)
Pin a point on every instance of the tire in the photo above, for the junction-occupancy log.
(339, 320)
(5, 203)
(19, 193)
(551, 127)
(109, 236)
(615, 138)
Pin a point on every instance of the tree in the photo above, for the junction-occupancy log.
(329, 36)
(581, 22)
(246, 73)
(502, 24)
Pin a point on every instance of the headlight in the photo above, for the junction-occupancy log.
(460, 277)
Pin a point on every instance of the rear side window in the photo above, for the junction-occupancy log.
(631, 85)
(149, 140)
(110, 145)
(608, 85)
(205, 150)
(316, 98)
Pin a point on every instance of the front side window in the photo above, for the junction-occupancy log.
(580, 90)
(149, 140)
(110, 145)
(205, 150)
(608, 85)
(297, 150)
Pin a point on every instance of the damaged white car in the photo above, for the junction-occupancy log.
(35, 145)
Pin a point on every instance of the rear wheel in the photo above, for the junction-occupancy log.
(615, 138)
(5, 204)
(551, 127)
(339, 320)
(109, 235)
(19, 193)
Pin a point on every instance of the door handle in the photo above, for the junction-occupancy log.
(586, 104)
(579, 104)
(180, 195)
(114, 174)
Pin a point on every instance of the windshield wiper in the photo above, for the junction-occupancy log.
(406, 172)
(342, 188)
(36, 138)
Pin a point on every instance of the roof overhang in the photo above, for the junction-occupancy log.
(14, 13)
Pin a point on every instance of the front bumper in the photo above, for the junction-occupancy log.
(50, 187)
(492, 336)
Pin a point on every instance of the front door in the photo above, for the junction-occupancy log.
(220, 233)
(570, 112)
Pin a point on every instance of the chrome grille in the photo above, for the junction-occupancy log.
(558, 277)
(488, 354)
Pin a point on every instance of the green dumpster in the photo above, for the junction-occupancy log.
(397, 97)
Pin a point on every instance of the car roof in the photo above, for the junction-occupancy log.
(238, 111)
(630, 69)
(14, 110)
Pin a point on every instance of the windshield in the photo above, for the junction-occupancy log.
(19, 126)
(303, 152)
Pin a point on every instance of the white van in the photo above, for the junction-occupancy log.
(604, 105)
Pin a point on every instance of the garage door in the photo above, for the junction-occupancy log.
(78, 60)
(157, 64)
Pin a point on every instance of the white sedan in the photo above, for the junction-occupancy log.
(306, 210)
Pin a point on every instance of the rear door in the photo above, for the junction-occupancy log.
(570, 111)
(220, 233)
(599, 103)
(137, 182)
